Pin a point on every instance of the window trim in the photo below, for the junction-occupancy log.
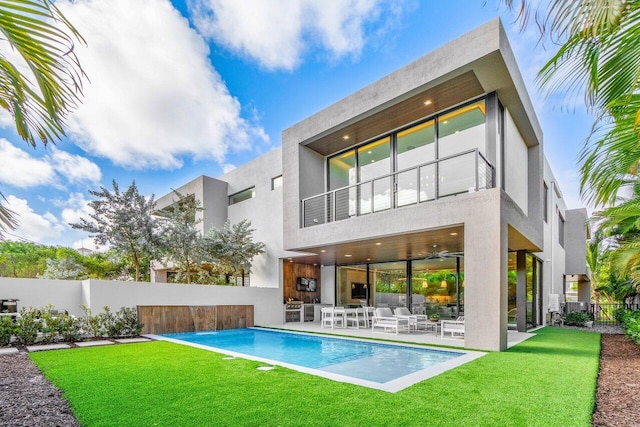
(273, 181)
(253, 194)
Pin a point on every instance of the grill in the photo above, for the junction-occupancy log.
(293, 311)
(9, 305)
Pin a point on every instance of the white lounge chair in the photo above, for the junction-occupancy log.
(387, 322)
(416, 321)
(454, 327)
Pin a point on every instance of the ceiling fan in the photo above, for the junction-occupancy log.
(443, 254)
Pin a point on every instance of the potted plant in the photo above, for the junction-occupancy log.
(434, 317)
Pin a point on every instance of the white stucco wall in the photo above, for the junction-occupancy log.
(71, 294)
(553, 255)
(37, 293)
(265, 211)
(516, 171)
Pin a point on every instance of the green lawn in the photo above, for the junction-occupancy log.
(548, 380)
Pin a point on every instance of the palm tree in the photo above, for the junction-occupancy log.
(599, 56)
(45, 83)
(622, 224)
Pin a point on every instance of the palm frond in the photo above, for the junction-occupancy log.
(40, 97)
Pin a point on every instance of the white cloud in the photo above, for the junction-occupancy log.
(276, 33)
(76, 169)
(19, 169)
(33, 226)
(228, 167)
(154, 96)
(77, 207)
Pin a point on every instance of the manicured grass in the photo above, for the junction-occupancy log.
(548, 380)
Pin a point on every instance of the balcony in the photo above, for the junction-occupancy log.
(460, 173)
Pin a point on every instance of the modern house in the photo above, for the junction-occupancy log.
(427, 189)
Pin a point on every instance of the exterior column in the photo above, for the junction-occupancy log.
(485, 290)
(521, 291)
(584, 290)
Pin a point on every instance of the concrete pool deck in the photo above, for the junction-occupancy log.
(421, 337)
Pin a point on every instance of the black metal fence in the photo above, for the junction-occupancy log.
(603, 313)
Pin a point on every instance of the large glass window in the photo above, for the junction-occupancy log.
(375, 161)
(352, 285)
(533, 268)
(389, 281)
(459, 131)
(436, 144)
(435, 281)
(342, 173)
(416, 146)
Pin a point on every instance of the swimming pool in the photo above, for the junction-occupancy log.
(389, 367)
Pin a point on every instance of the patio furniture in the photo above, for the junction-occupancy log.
(416, 321)
(332, 318)
(385, 321)
(454, 327)
(354, 316)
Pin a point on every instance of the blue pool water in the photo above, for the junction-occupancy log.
(369, 361)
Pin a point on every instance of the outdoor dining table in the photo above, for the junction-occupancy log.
(353, 313)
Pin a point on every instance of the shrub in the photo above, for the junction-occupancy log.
(619, 313)
(69, 328)
(630, 321)
(28, 326)
(90, 325)
(128, 321)
(109, 323)
(577, 318)
(8, 328)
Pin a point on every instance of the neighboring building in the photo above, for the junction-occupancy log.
(428, 188)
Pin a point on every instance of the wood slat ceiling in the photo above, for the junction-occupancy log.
(399, 247)
(442, 96)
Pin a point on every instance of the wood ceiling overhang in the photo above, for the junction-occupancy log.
(401, 112)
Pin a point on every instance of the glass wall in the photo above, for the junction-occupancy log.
(352, 285)
(342, 173)
(431, 144)
(375, 161)
(459, 131)
(435, 287)
(416, 146)
(389, 281)
(435, 281)
(533, 277)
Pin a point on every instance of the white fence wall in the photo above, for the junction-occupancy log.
(70, 295)
(37, 293)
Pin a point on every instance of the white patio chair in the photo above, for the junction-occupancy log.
(385, 321)
(331, 318)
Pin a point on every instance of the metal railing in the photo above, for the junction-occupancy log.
(603, 313)
(460, 173)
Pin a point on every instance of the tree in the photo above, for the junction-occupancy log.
(231, 248)
(600, 56)
(181, 241)
(39, 93)
(125, 222)
(66, 268)
(26, 260)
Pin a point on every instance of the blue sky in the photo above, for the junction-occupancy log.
(190, 87)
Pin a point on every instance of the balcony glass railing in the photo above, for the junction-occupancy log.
(461, 173)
